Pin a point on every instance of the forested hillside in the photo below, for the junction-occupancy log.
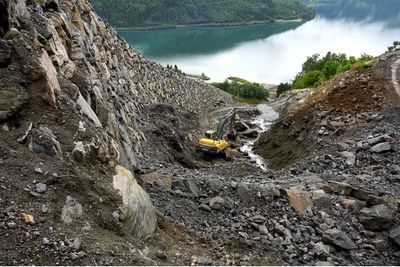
(150, 13)
(357, 9)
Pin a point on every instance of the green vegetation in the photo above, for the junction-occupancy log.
(316, 70)
(247, 91)
(174, 68)
(283, 87)
(163, 13)
(196, 76)
(394, 47)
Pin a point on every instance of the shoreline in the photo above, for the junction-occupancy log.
(223, 24)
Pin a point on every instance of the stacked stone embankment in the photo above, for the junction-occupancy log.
(51, 48)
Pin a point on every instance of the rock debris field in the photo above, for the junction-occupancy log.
(98, 162)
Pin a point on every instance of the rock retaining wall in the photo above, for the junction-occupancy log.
(55, 48)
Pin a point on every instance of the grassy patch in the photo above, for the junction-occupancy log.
(244, 90)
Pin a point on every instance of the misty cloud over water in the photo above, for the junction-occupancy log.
(279, 57)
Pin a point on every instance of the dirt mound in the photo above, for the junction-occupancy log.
(172, 134)
(287, 141)
(331, 110)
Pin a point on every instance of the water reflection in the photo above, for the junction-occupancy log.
(386, 11)
(270, 59)
(200, 40)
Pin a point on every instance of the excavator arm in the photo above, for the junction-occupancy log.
(224, 120)
(215, 143)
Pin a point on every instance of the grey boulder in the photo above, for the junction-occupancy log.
(376, 218)
(394, 235)
(339, 239)
(382, 147)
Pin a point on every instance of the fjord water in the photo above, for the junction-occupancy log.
(270, 53)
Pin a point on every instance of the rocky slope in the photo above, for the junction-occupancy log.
(334, 199)
(334, 196)
(73, 103)
(86, 123)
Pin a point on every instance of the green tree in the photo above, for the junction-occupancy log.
(316, 70)
(246, 90)
(330, 69)
(283, 87)
(312, 63)
(309, 79)
(394, 47)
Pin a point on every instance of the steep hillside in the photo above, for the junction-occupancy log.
(157, 13)
(97, 162)
(346, 97)
(73, 100)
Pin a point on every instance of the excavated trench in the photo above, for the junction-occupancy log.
(263, 122)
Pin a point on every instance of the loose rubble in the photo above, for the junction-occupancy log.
(97, 145)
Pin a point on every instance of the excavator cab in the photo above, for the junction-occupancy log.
(210, 134)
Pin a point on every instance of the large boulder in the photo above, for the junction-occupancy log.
(191, 185)
(241, 126)
(251, 133)
(321, 200)
(41, 71)
(244, 193)
(159, 179)
(18, 13)
(216, 203)
(339, 239)
(141, 221)
(300, 200)
(376, 218)
(382, 147)
(85, 108)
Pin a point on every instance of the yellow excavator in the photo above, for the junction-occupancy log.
(214, 142)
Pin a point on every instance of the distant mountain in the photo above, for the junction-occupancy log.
(375, 10)
(160, 13)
